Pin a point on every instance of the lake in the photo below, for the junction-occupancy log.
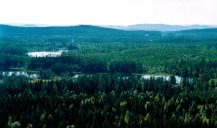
(18, 73)
(178, 78)
(45, 53)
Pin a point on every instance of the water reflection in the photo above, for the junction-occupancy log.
(179, 79)
(44, 54)
(18, 73)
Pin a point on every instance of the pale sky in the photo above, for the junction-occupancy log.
(109, 12)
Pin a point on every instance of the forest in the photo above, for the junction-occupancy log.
(110, 90)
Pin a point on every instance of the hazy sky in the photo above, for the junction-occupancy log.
(108, 12)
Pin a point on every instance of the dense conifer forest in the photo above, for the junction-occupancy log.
(109, 91)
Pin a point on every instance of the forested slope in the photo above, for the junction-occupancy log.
(82, 33)
(87, 33)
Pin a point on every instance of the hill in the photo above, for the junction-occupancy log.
(87, 33)
(82, 33)
(160, 27)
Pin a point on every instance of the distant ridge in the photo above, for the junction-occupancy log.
(80, 33)
(159, 27)
(88, 33)
(145, 27)
(29, 25)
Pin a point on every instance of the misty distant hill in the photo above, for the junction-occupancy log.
(26, 25)
(145, 27)
(159, 27)
(29, 25)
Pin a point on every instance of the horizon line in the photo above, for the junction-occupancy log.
(46, 25)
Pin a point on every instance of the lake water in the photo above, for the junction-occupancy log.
(44, 54)
(77, 75)
(18, 73)
(178, 78)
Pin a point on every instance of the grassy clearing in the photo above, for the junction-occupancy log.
(32, 72)
(160, 74)
(17, 69)
(215, 81)
(52, 79)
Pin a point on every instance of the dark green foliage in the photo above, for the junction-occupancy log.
(13, 50)
(64, 64)
(7, 61)
(71, 47)
(105, 101)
